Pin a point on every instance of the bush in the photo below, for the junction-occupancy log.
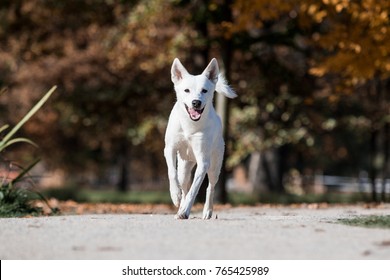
(16, 201)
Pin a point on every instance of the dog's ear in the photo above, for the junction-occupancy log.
(178, 71)
(212, 71)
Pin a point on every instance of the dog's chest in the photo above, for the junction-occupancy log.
(190, 144)
(184, 148)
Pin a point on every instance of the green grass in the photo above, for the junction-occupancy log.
(285, 199)
(136, 197)
(111, 196)
(108, 196)
(20, 202)
(372, 221)
(16, 202)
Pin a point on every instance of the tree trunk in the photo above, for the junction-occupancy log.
(226, 47)
(386, 162)
(373, 169)
(256, 174)
(272, 164)
(123, 182)
(266, 170)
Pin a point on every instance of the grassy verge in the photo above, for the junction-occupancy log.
(138, 197)
(285, 199)
(108, 196)
(372, 221)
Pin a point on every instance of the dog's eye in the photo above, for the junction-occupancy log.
(187, 90)
(204, 90)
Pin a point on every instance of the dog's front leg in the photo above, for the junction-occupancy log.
(170, 154)
(213, 174)
(208, 206)
(200, 173)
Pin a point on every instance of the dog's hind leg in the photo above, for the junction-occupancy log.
(184, 169)
(200, 173)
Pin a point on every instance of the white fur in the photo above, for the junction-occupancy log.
(191, 141)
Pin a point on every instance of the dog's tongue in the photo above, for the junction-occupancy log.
(195, 114)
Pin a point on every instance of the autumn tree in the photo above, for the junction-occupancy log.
(273, 114)
(331, 50)
(356, 34)
(106, 57)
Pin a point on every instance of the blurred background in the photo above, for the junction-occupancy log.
(311, 121)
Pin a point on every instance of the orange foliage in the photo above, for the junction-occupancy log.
(357, 39)
(354, 35)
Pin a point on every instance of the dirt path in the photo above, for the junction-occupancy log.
(237, 233)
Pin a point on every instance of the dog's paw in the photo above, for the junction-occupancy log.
(181, 216)
(207, 214)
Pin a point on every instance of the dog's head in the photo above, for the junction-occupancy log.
(196, 92)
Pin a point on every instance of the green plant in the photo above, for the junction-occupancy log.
(371, 221)
(15, 201)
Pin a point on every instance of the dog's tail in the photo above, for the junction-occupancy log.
(223, 87)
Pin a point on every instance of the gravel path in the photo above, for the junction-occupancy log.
(237, 233)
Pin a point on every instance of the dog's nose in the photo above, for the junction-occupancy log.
(196, 103)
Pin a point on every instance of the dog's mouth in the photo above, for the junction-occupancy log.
(194, 114)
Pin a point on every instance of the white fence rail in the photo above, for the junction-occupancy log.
(352, 184)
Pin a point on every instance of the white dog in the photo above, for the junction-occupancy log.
(194, 136)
